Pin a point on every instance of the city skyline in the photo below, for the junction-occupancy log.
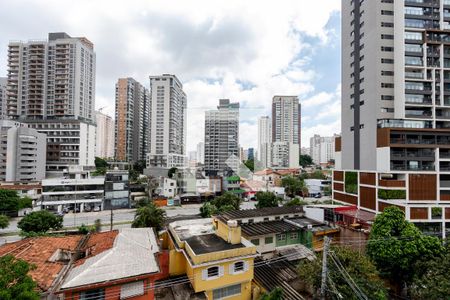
(233, 63)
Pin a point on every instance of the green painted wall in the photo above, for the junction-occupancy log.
(288, 240)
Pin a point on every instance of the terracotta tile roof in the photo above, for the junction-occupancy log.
(97, 243)
(37, 251)
(265, 172)
(288, 171)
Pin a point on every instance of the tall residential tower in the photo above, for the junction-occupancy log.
(222, 138)
(395, 145)
(132, 130)
(167, 122)
(104, 145)
(264, 153)
(51, 86)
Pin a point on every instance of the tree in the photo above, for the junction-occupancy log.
(4, 221)
(15, 283)
(296, 201)
(358, 266)
(317, 175)
(305, 192)
(395, 245)
(432, 280)
(305, 160)
(292, 185)
(25, 202)
(39, 222)
(100, 163)
(172, 172)
(139, 166)
(275, 294)
(226, 202)
(250, 164)
(9, 202)
(149, 216)
(266, 199)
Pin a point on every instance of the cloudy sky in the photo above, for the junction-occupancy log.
(246, 51)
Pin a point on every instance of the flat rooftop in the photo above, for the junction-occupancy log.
(316, 225)
(208, 243)
(186, 229)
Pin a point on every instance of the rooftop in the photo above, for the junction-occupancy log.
(207, 243)
(132, 253)
(38, 251)
(264, 228)
(265, 172)
(260, 212)
(316, 225)
(189, 228)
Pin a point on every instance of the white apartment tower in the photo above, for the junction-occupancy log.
(222, 139)
(104, 146)
(286, 128)
(22, 152)
(264, 154)
(396, 109)
(51, 86)
(322, 149)
(167, 122)
(201, 153)
(3, 82)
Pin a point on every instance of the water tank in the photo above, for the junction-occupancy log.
(232, 223)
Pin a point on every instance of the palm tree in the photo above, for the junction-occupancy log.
(149, 216)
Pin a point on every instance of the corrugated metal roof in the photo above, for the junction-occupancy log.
(261, 212)
(269, 227)
(131, 255)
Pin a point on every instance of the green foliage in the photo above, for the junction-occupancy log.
(305, 160)
(396, 244)
(134, 175)
(83, 229)
(144, 201)
(14, 281)
(317, 175)
(97, 225)
(40, 222)
(9, 202)
(327, 191)
(149, 216)
(228, 201)
(432, 280)
(100, 163)
(25, 202)
(4, 221)
(99, 172)
(359, 267)
(250, 163)
(267, 199)
(275, 294)
(139, 166)
(436, 212)
(172, 172)
(295, 202)
(392, 194)
(292, 185)
(351, 182)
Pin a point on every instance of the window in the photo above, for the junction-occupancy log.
(387, 24)
(266, 219)
(277, 218)
(250, 221)
(387, 12)
(268, 240)
(97, 294)
(387, 73)
(281, 237)
(387, 49)
(387, 85)
(255, 242)
(387, 97)
(239, 266)
(228, 291)
(387, 36)
(212, 272)
(387, 61)
(132, 289)
(294, 235)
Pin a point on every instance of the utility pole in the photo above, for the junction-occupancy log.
(326, 245)
(111, 220)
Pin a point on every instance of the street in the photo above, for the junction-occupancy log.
(121, 217)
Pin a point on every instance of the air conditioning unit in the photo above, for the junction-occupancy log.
(309, 226)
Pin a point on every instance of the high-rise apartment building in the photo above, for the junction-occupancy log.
(322, 149)
(104, 145)
(167, 122)
(201, 153)
(286, 128)
(396, 109)
(264, 154)
(51, 86)
(222, 138)
(132, 122)
(3, 82)
(22, 152)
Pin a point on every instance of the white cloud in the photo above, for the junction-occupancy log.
(210, 45)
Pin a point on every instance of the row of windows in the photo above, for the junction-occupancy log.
(215, 272)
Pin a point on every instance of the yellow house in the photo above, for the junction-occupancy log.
(214, 256)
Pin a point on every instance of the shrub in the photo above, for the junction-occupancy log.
(391, 194)
(351, 182)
